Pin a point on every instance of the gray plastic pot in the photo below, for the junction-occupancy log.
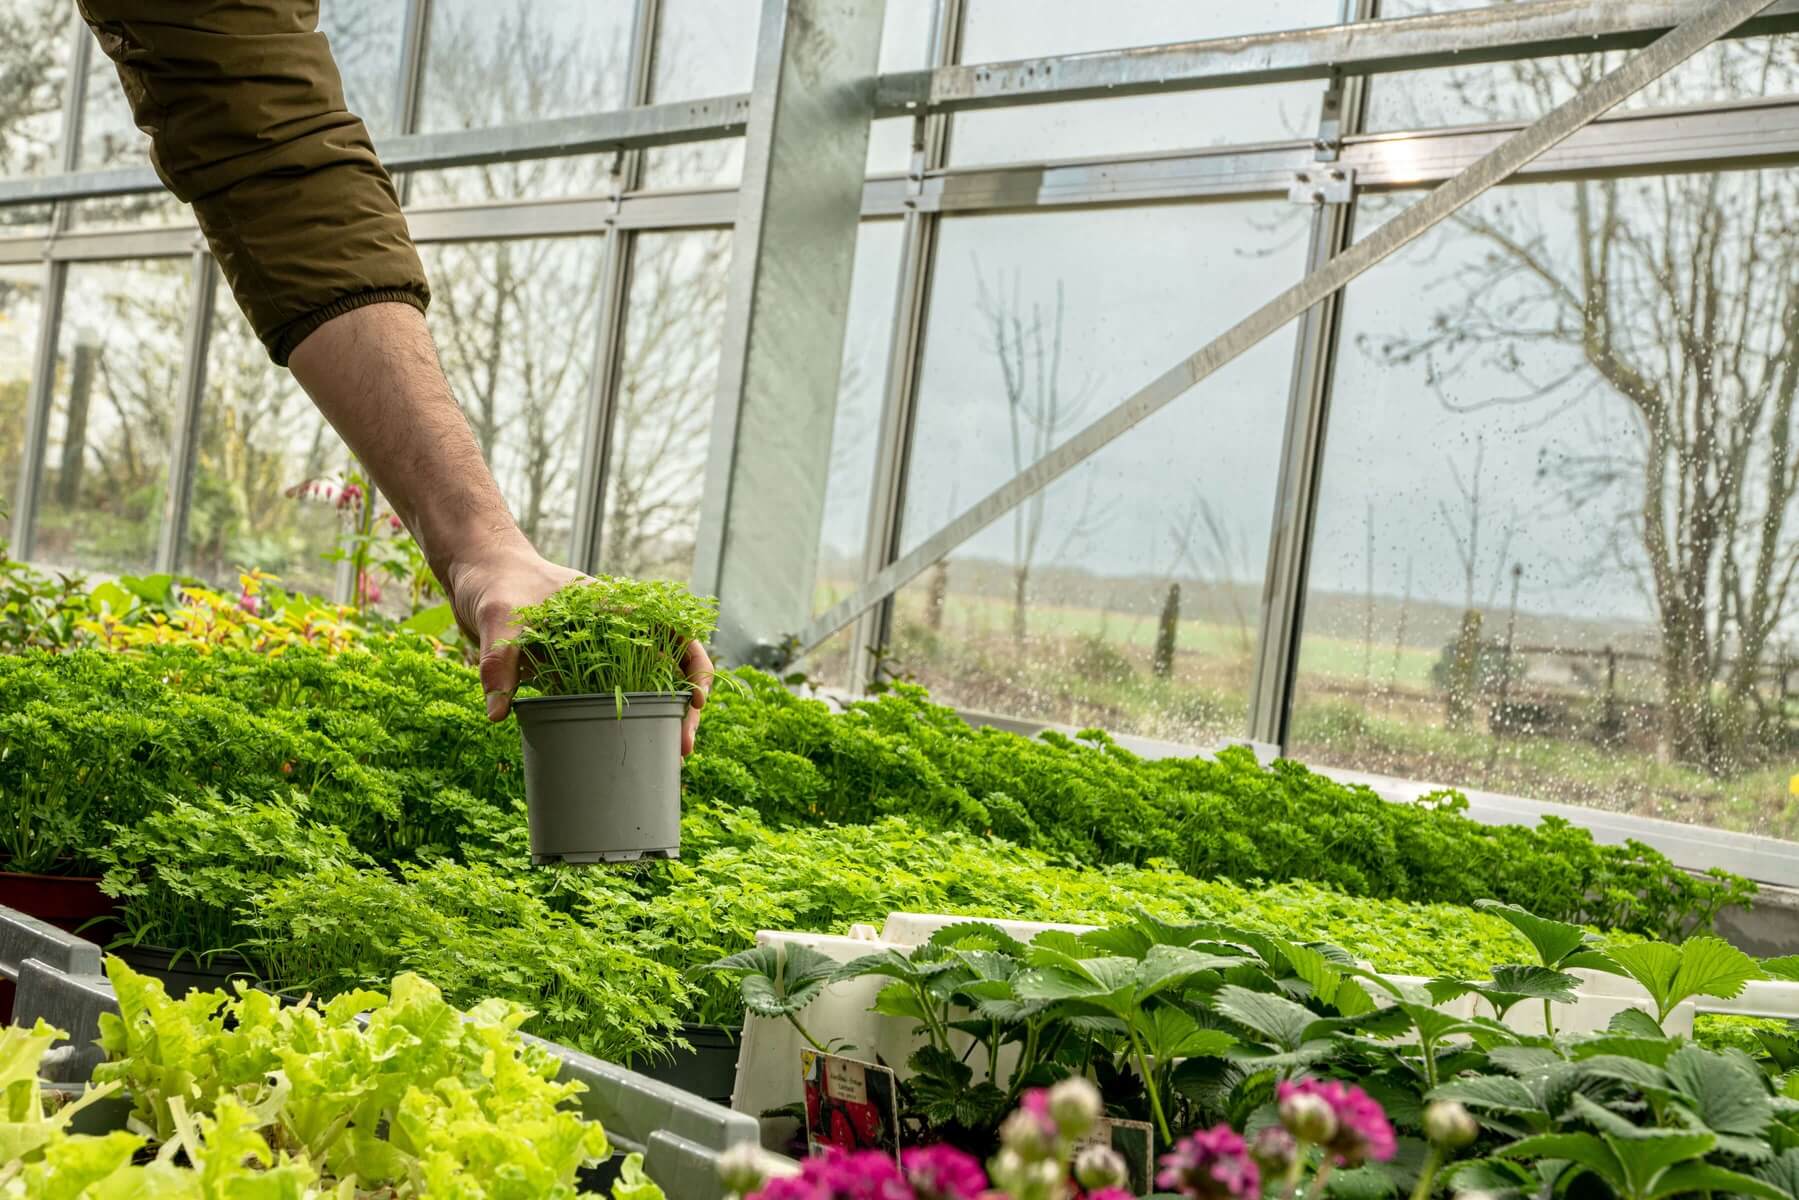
(602, 785)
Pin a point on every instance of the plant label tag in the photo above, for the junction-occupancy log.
(851, 1105)
(1133, 1141)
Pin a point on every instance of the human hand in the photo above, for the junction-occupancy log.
(484, 591)
(697, 665)
(483, 594)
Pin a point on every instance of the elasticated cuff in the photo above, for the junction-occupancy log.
(282, 341)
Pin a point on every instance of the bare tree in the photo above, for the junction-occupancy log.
(1026, 342)
(33, 67)
(665, 398)
(1679, 297)
(1208, 550)
(1465, 527)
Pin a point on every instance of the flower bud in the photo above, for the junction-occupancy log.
(1273, 1150)
(1309, 1118)
(1097, 1167)
(1025, 1134)
(1075, 1107)
(740, 1168)
(1449, 1125)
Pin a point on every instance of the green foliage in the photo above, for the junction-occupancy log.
(392, 747)
(612, 635)
(189, 872)
(241, 1097)
(474, 931)
(1703, 966)
(1188, 1024)
(1090, 801)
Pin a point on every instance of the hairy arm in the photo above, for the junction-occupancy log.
(246, 116)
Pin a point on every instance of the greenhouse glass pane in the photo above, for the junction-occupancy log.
(118, 373)
(1734, 69)
(656, 463)
(365, 42)
(261, 444)
(34, 61)
(488, 65)
(703, 48)
(1000, 30)
(1038, 324)
(1557, 536)
(515, 329)
(905, 46)
(110, 138)
(855, 433)
(21, 305)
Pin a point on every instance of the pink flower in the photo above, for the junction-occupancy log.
(864, 1175)
(1211, 1164)
(393, 523)
(371, 591)
(349, 496)
(1363, 1132)
(943, 1173)
(1031, 1130)
(250, 603)
(1111, 1193)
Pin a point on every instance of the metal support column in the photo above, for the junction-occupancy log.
(793, 249)
(23, 528)
(887, 495)
(415, 36)
(184, 442)
(1308, 403)
(614, 296)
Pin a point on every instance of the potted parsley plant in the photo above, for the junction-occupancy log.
(602, 733)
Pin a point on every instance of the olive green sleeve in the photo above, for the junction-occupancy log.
(247, 122)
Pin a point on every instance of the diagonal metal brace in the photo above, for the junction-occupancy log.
(1556, 126)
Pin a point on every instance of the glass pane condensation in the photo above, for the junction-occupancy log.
(514, 323)
(21, 306)
(703, 48)
(1557, 536)
(1038, 325)
(488, 65)
(855, 433)
(1734, 69)
(34, 65)
(266, 470)
(1001, 30)
(118, 372)
(656, 460)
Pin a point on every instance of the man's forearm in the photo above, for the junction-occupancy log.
(374, 373)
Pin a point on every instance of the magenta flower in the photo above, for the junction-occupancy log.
(1111, 1193)
(1363, 1132)
(1211, 1164)
(864, 1175)
(943, 1173)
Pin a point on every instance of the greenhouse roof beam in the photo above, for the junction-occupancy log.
(1497, 32)
(1711, 22)
(1494, 33)
(670, 124)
